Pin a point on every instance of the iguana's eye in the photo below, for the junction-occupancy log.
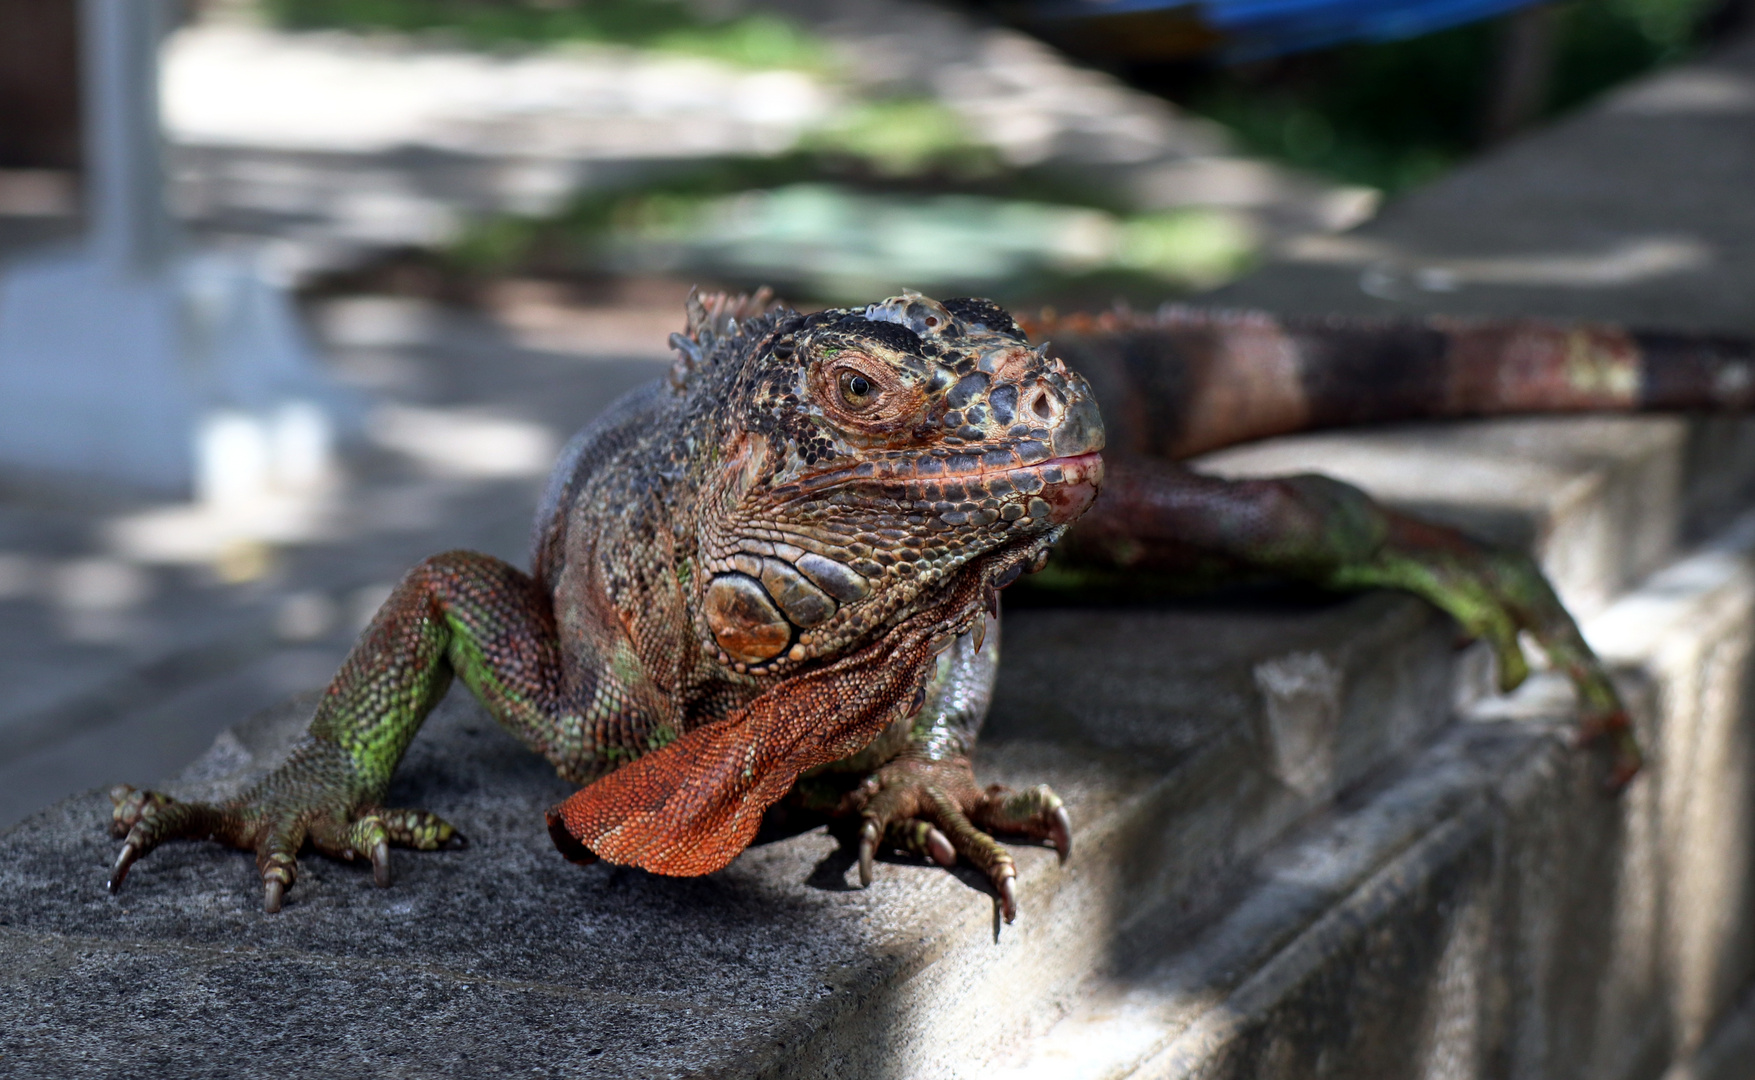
(864, 395)
(856, 391)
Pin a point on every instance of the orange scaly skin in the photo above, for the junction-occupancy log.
(778, 572)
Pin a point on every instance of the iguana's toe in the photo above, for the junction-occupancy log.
(421, 830)
(1035, 812)
(936, 810)
(1615, 728)
(144, 819)
(277, 857)
(374, 832)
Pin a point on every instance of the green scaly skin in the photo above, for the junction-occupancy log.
(458, 614)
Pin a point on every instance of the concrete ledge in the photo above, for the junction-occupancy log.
(1200, 747)
(508, 913)
(1214, 920)
(1481, 909)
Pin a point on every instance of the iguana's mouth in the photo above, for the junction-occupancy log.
(1069, 484)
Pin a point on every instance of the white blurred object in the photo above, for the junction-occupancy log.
(131, 359)
(334, 92)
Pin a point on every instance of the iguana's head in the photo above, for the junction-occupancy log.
(867, 457)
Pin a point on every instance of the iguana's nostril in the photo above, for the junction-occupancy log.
(1042, 405)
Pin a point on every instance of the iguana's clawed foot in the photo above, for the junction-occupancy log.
(1625, 757)
(1500, 596)
(276, 826)
(936, 810)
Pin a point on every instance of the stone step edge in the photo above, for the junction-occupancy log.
(1313, 894)
(1255, 942)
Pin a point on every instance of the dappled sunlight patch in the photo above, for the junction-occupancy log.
(220, 535)
(831, 240)
(1390, 271)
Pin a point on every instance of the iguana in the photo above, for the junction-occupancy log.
(778, 570)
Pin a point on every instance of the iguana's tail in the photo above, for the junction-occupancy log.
(1183, 380)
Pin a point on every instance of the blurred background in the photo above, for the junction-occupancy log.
(296, 292)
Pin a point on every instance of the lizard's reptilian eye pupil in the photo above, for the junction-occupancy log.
(856, 390)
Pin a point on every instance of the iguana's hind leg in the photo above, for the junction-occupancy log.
(1154, 515)
(458, 613)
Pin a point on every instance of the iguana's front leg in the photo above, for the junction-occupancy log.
(916, 789)
(1156, 516)
(459, 613)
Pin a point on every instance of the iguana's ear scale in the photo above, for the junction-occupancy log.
(688, 358)
(696, 308)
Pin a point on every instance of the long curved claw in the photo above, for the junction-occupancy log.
(1060, 833)
(1008, 897)
(119, 873)
(381, 864)
(369, 835)
(934, 809)
(938, 846)
(868, 839)
(143, 819)
(278, 862)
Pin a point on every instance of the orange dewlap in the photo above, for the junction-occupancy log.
(691, 807)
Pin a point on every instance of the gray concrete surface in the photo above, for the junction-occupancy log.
(1634, 210)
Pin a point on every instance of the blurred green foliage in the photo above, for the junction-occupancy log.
(832, 226)
(903, 180)
(904, 137)
(755, 39)
(1397, 114)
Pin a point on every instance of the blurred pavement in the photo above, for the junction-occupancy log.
(339, 146)
(131, 634)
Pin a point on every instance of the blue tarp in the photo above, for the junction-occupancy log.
(1256, 29)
